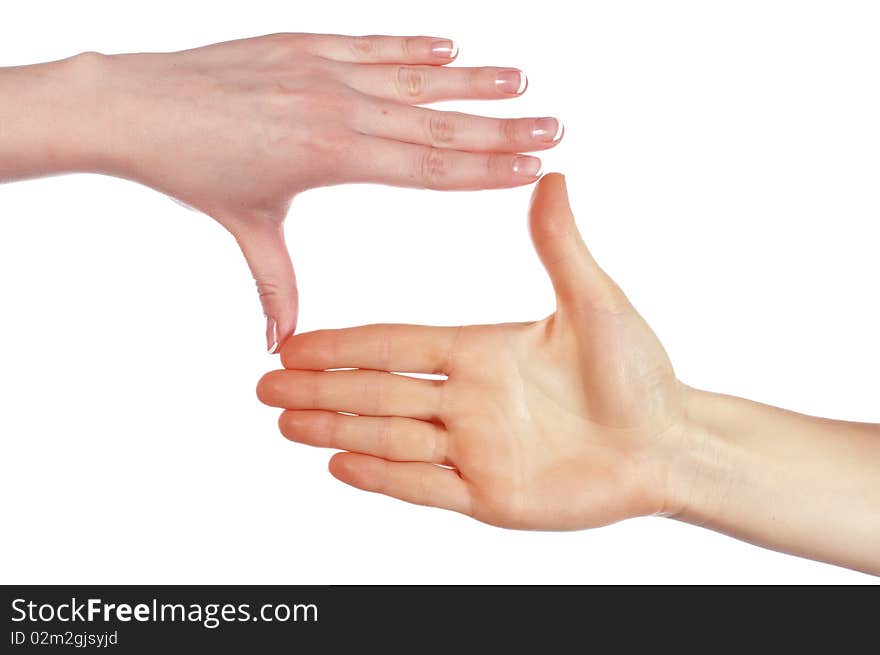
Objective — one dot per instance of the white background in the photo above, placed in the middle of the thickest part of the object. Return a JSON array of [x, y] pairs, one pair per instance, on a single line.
[[723, 160]]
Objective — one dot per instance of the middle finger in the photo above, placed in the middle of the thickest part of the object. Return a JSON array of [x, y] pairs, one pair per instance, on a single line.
[[447, 129], [362, 392], [415, 85]]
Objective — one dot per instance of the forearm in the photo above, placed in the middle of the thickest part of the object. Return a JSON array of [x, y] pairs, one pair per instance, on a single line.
[[50, 119], [790, 482]]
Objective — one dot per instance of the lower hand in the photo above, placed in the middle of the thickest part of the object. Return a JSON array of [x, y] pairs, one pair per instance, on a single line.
[[560, 424]]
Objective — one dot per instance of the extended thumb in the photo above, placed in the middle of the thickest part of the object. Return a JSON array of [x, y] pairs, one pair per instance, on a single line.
[[576, 277]]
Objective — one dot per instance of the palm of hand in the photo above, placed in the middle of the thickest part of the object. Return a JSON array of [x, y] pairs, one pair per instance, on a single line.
[[550, 424]]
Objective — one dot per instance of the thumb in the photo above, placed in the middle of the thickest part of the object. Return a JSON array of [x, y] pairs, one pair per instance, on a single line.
[[577, 278], [266, 254]]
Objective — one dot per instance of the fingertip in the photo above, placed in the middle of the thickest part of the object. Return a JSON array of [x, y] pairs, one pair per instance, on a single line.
[[287, 351], [549, 193], [353, 469], [527, 168], [272, 342], [523, 85], [287, 424], [307, 350], [267, 387], [277, 336], [555, 181], [337, 466], [444, 49], [280, 326], [363, 471], [560, 132], [550, 217], [547, 131], [511, 82]]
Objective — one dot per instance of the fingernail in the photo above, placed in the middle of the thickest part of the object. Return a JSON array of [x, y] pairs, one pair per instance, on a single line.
[[511, 82], [271, 335], [445, 49], [527, 166], [548, 130]]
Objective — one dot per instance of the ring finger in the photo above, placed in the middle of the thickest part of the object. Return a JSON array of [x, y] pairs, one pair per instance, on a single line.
[[426, 167], [389, 437]]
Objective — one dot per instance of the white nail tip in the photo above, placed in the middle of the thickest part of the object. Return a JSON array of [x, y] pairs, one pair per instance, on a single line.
[[560, 130], [447, 52], [523, 83], [273, 326]]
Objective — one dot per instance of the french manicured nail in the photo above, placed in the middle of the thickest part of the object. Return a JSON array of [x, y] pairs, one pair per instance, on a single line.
[[527, 166], [271, 335], [444, 49], [512, 82], [548, 130]]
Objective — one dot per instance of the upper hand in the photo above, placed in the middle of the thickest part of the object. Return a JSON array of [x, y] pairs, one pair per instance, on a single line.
[[237, 129]]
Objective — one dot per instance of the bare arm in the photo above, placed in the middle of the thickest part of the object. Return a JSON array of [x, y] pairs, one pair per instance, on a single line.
[[800, 484], [49, 118]]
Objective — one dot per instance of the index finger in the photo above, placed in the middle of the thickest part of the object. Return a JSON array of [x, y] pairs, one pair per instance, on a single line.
[[400, 348], [377, 49]]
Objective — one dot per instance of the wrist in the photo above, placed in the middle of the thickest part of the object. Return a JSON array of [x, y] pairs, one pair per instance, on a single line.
[[702, 463], [92, 113]]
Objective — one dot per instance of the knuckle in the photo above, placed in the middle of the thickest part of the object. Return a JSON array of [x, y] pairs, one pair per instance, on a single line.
[[437, 444], [441, 129], [383, 436], [314, 390], [333, 340], [497, 166], [439, 398], [331, 147], [410, 82], [510, 131], [449, 354], [410, 46], [433, 168], [363, 47], [375, 392], [384, 346], [283, 44], [330, 430], [321, 98], [380, 480], [479, 78], [444, 400], [268, 289]]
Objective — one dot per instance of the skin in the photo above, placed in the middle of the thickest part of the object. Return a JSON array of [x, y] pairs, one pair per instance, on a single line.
[[237, 129], [574, 421]]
